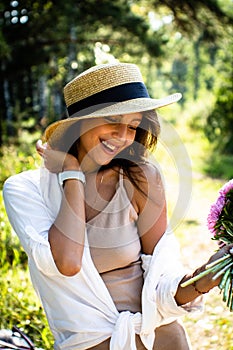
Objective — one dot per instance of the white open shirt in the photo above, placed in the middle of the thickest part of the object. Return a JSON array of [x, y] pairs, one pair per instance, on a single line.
[[80, 310]]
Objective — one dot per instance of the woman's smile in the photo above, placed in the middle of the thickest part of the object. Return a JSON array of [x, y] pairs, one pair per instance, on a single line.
[[111, 147]]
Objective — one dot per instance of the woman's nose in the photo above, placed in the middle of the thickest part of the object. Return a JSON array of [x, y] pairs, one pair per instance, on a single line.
[[121, 131]]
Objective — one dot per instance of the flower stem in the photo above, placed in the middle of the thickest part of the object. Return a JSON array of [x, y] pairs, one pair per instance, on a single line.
[[221, 264], [218, 261], [224, 279], [219, 273], [197, 277]]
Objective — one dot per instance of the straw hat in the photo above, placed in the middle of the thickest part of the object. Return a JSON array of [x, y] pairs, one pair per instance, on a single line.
[[105, 90]]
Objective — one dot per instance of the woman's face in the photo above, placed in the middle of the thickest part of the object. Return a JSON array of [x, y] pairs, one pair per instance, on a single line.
[[101, 139]]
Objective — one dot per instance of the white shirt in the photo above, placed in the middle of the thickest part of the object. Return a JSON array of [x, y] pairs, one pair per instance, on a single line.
[[80, 310]]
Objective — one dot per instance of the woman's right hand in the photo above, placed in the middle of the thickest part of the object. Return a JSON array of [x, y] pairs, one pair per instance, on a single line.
[[56, 161]]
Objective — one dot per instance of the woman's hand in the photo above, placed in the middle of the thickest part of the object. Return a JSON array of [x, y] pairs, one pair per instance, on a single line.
[[227, 249], [189, 291], [221, 252], [56, 161]]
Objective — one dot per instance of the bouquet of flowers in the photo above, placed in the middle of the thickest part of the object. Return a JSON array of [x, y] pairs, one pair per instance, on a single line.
[[220, 224]]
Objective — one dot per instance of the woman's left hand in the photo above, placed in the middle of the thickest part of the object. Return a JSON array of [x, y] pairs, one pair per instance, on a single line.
[[207, 282], [227, 249], [193, 285], [56, 161]]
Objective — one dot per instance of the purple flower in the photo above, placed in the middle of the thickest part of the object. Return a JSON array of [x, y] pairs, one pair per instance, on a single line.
[[217, 207], [226, 188], [215, 211], [220, 224]]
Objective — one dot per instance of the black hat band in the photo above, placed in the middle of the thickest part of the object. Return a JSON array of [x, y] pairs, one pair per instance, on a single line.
[[112, 95]]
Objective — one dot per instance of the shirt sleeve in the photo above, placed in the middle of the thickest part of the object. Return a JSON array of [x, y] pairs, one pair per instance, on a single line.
[[169, 280], [165, 295], [30, 218], [163, 272]]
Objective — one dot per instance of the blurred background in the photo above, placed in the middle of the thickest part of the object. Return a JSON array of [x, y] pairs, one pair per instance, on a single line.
[[180, 46]]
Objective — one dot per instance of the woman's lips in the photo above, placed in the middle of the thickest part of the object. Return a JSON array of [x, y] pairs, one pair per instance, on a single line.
[[109, 147]]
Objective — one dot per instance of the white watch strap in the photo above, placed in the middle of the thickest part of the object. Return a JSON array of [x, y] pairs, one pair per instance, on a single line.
[[71, 174]]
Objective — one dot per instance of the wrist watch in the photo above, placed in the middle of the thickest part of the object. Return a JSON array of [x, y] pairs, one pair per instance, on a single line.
[[71, 174]]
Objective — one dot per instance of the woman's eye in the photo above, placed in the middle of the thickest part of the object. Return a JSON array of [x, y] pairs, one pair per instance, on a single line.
[[132, 127], [117, 120]]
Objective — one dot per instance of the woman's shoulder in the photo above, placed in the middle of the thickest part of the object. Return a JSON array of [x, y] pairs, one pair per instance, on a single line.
[[149, 186], [26, 179], [38, 187], [148, 172]]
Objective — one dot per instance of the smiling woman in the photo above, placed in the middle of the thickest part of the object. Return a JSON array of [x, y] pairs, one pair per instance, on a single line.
[[93, 221]]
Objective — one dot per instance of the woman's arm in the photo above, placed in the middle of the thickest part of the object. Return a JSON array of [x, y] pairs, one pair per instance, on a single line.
[[66, 235], [150, 204]]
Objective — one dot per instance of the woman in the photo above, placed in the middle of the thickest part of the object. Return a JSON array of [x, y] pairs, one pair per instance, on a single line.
[[93, 221]]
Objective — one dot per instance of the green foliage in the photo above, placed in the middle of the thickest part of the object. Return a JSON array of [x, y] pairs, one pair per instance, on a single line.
[[218, 165], [206, 158], [20, 307], [19, 155], [216, 78], [219, 126], [36, 47], [195, 16]]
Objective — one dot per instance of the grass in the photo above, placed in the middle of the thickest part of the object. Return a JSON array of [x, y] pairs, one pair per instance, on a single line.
[[190, 191]]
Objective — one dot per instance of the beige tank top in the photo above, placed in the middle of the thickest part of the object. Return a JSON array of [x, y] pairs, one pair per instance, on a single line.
[[115, 248]]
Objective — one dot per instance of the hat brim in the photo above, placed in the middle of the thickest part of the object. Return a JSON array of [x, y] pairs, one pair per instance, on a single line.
[[125, 107]]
